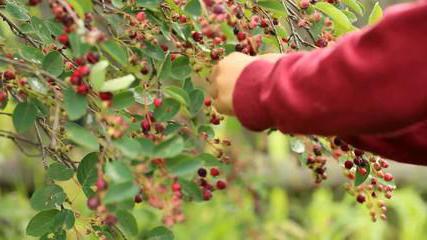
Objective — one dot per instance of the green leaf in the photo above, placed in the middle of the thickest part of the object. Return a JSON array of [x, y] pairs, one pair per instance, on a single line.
[[197, 97], [120, 192], [276, 7], [341, 22], [69, 218], [169, 108], [24, 116], [355, 6], [165, 68], [190, 189], [376, 14], [362, 178], [48, 197], [81, 136], [97, 75], [57, 171], [147, 147], [160, 233], [351, 16], [75, 104], [87, 172], [193, 8], [42, 223], [116, 51], [41, 29], [178, 94], [81, 6], [123, 100], [206, 129], [118, 172], [31, 54], [17, 11], [37, 85], [181, 68], [118, 83], [127, 222], [182, 165], [129, 147], [53, 63], [78, 47], [209, 159], [150, 4], [152, 51], [170, 148]]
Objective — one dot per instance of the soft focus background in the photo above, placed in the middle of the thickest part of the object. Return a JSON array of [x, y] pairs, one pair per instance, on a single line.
[[270, 197]]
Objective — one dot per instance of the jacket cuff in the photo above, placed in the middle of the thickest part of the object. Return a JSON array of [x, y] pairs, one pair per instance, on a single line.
[[247, 96]]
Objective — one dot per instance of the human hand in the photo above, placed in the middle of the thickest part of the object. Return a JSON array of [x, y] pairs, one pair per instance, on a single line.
[[224, 77]]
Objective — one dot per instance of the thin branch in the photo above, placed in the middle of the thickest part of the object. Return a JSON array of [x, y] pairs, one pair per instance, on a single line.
[[14, 27], [44, 161]]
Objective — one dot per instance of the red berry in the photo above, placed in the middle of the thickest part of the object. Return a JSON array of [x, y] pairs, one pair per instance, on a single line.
[[197, 36], [388, 177], [221, 184], [75, 80], [164, 47], [361, 198], [321, 43], [9, 75], [140, 16], [145, 125], [110, 220], [34, 2], [304, 4], [218, 9], [92, 57], [214, 172], [207, 195], [83, 70], [138, 198], [348, 164], [63, 38], [105, 96], [241, 36], [362, 171], [3, 96], [159, 127], [83, 89], [202, 172], [208, 3], [358, 152], [182, 19], [157, 102], [207, 102], [101, 184], [176, 187], [93, 202]]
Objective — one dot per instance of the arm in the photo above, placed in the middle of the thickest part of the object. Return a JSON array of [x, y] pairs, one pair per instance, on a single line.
[[372, 81]]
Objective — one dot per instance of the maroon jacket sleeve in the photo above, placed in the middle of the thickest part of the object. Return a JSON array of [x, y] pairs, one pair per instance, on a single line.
[[373, 81]]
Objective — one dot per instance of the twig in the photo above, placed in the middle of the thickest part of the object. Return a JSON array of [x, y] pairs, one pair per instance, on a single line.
[[14, 27], [44, 161], [279, 42]]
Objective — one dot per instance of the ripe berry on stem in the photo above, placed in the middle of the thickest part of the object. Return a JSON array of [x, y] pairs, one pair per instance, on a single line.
[[157, 102], [221, 184], [93, 202], [202, 172], [214, 172]]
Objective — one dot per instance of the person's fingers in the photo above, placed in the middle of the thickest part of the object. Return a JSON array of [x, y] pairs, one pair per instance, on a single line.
[[213, 85]]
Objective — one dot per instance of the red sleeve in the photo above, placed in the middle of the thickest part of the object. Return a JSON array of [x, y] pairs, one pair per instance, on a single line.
[[371, 81]]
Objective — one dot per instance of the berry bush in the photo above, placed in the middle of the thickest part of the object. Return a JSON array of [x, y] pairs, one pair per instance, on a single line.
[[109, 95]]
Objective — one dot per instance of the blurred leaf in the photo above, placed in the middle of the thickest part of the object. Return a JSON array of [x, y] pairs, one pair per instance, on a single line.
[[116, 51], [152, 51], [123, 100], [97, 75], [182, 165], [181, 68], [147, 147], [165, 68], [24, 116], [75, 104], [193, 8], [37, 85], [87, 172], [150, 4], [197, 97], [160, 233], [59, 172], [17, 11], [120, 192], [297, 146], [129, 147], [355, 6], [78, 47], [118, 83], [118, 172], [275, 6], [351, 16], [81, 6], [190, 189], [178, 94], [208, 159], [169, 108], [206, 129], [53, 63], [41, 29], [31, 54], [341, 22], [169, 148], [47, 197], [42, 223], [81, 136], [69, 218], [376, 14], [127, 222]]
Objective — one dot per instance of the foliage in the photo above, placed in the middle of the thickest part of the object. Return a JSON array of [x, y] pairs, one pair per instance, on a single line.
[[111, 93]]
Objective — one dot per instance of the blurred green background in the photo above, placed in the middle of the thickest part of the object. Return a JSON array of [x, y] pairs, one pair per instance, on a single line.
[[269, 197]]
